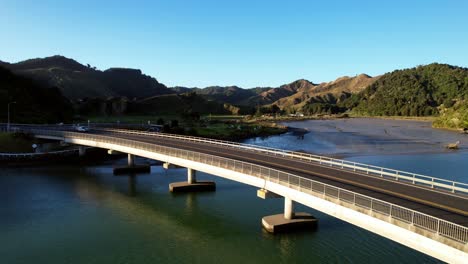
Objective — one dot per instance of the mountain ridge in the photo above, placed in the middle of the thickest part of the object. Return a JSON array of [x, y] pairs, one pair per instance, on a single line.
[[422, 90], [77, 81]]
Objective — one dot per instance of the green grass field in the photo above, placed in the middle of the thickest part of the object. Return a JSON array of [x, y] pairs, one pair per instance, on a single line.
[[132, 119], [228, 131], [223, 117], [214, 126], [12, 143], [138, 119]]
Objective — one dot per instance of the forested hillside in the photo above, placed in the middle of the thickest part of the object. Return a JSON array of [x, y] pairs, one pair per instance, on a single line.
[[34, 102], [179, 104], [418, 91], [77, 81]]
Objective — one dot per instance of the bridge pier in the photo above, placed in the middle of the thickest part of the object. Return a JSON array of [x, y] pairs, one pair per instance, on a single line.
[[289, 220], [81, 151], [131, 160], [192, 185], [131, 167], [167, 165]]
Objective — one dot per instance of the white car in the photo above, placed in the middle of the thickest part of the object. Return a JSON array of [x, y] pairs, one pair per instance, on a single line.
[[81, 129]]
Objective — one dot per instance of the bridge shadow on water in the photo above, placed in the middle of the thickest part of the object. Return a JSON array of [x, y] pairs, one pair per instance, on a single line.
[[135, 218]]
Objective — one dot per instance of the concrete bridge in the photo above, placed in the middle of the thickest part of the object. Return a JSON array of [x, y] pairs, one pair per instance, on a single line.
[[425, 213]]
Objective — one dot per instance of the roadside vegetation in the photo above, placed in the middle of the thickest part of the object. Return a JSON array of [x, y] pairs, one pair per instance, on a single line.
[[454, 118], [236, 130], [226, 127], [15, 143]]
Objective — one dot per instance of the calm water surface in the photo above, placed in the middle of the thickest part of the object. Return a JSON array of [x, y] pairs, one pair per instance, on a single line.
[[84, 214]]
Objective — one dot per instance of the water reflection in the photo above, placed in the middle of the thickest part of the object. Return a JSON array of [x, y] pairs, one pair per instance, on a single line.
[[92, 217], [132, 185]]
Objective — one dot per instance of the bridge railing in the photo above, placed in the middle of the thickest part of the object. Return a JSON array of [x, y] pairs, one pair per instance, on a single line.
[[391, 212], [33, 154], [370, 170]]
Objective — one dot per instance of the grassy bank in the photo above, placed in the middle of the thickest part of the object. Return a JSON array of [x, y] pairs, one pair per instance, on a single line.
[[131, 119], [411, 118], [452, 118], [225, 127], [15, 143], [237, 130]]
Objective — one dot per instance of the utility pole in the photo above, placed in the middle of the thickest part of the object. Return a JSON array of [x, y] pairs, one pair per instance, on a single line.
[[8, 124]]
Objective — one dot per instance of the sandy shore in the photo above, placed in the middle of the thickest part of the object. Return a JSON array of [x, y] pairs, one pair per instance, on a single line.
[[376, 136]]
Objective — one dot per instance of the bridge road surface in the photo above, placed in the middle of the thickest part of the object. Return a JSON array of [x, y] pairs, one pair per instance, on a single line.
[[437, 203]]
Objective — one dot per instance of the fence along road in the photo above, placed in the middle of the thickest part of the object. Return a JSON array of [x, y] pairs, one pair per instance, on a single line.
[[382, 172], [437, 211], [371, 170]]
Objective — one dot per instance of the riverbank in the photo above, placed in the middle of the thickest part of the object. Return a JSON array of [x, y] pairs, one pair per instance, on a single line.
[[226, 127], [236, 131], [366, 136], [448, 120], [15, 143], [62, 157]]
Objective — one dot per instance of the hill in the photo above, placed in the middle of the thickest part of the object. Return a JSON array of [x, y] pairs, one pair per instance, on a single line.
[[225, 94], [307, 96], [177, 104], [34, 102], [418, 91], [229, 94], [272, 95], [77, 81], [246, 97]]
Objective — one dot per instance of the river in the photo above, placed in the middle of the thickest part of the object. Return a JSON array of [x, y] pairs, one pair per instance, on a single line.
[[84, 214]]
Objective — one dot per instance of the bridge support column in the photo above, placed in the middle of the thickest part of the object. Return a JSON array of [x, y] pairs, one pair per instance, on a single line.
[[167, 165], [81, 151], [131, 167], [289, 221], [192, 185], [131, 160], [191, 176], [288, 208]]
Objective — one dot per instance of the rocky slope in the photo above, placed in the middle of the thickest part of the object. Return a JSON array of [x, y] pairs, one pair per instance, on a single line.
[[331, 92]]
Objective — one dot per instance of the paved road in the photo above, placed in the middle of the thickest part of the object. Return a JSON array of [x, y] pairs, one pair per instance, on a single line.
[[438, 203]]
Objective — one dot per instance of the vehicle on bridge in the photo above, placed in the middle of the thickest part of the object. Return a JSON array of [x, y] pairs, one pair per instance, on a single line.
[[81, 129]]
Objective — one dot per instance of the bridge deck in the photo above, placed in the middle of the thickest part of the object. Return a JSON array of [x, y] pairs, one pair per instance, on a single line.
[[437, 203]]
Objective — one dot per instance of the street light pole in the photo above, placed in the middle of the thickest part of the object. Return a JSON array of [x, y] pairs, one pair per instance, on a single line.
[[8, 124]]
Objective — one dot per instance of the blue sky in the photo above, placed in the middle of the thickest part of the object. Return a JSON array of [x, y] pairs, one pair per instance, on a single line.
[[246, 43]]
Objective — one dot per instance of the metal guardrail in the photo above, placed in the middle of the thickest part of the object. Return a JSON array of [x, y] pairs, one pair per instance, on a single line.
[[24, 155], [371, 170], [391, 211]]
